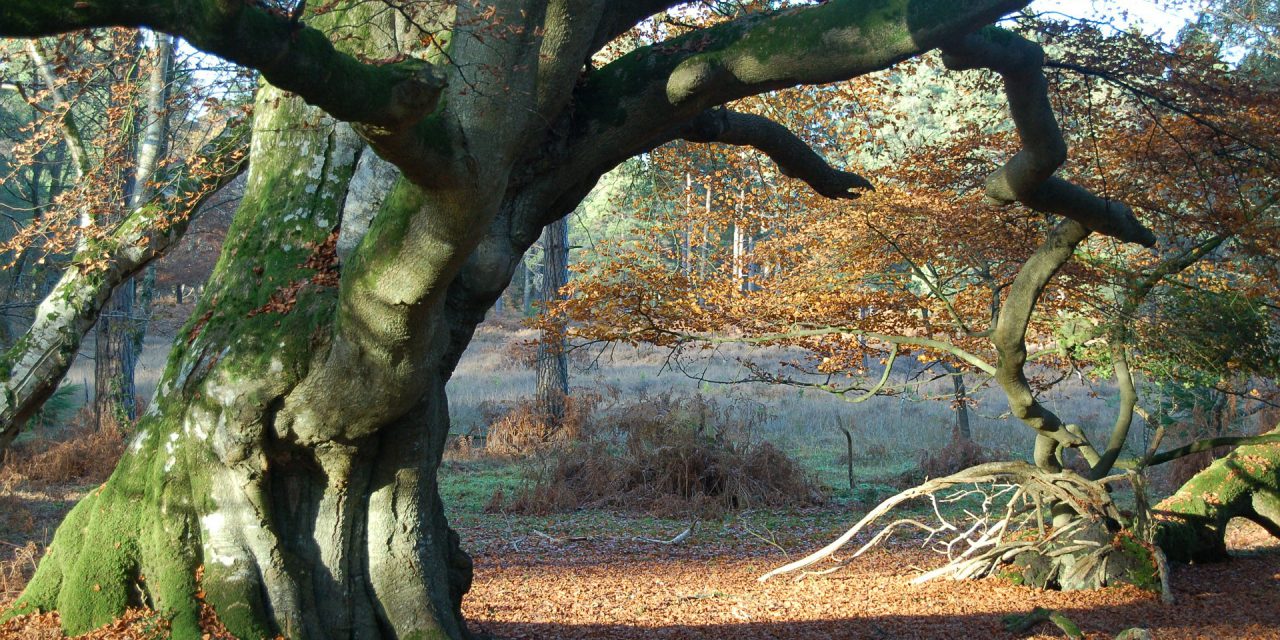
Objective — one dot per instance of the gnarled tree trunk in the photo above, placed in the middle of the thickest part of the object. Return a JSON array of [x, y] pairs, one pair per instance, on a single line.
[[307, 522]]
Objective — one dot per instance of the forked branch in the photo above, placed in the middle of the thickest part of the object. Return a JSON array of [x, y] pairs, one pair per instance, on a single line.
[[290, 55]]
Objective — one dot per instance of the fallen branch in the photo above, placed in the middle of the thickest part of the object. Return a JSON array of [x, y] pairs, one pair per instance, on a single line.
[[559, 539], [1006, 527], [1060, 487], [681, 537]]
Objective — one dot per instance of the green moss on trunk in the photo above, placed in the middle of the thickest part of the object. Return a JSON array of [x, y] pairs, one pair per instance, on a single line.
[[128, 543], [1245, 484]]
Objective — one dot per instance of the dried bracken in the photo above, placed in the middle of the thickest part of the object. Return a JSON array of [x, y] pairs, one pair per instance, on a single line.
[[670, 456]]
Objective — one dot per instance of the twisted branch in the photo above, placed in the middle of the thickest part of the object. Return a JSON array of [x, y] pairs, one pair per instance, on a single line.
[[1028, 176], [794, 157]]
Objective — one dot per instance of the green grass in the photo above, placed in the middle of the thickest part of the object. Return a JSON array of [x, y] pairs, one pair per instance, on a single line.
[[802, 423], [468, 486]]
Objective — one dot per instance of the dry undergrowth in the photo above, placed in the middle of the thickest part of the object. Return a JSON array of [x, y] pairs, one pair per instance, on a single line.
[[667, 456], [17, 565], [959, 454], [82, 456], [518, 429]]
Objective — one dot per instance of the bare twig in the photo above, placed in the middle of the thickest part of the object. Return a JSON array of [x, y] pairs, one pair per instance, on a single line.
[[559, 539]]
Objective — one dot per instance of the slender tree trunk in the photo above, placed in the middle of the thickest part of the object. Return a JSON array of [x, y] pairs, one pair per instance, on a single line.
[[526, 288], [122, 326], [737, 256], [114, 361], [552, 363], [704, 247], [960, 403], [683, 255], [153, 147]]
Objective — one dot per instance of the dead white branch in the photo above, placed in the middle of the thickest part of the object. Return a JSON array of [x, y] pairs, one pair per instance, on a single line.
[[1012, 495], [680, 537]]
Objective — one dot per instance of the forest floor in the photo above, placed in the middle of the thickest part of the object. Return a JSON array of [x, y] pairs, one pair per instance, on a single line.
[[707, 588], [599, 574], [596, 573]]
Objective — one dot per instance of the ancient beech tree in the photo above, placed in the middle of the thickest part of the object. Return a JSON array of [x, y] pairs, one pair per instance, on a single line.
[[404, 156]]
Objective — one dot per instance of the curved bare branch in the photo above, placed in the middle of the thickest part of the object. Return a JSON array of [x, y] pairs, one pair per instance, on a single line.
[[644, 98], [620, 17], [1028, 176], [1010, 336], [794, 157]]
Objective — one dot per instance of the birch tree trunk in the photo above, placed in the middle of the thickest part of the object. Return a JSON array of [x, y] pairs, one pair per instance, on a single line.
[[122, 324]]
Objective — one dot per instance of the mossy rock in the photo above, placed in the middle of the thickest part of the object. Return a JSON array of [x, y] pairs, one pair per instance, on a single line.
[[1033, 569]]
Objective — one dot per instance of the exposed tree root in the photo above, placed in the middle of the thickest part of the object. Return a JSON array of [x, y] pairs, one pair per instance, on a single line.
[[1021, 623], [1006, 532]]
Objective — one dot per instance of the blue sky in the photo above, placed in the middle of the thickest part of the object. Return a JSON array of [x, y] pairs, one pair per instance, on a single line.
[[1147, 14]]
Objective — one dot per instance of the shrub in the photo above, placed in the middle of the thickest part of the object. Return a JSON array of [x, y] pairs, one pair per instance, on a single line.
[[17, 564], [58, 409], [519, 429], [958, 454], [669, 456]]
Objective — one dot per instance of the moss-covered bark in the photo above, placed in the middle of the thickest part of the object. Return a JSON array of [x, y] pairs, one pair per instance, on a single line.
[[1193, 521], [327, 538]]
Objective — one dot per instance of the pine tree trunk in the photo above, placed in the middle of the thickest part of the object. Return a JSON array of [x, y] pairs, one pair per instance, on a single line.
[[115, 361]]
